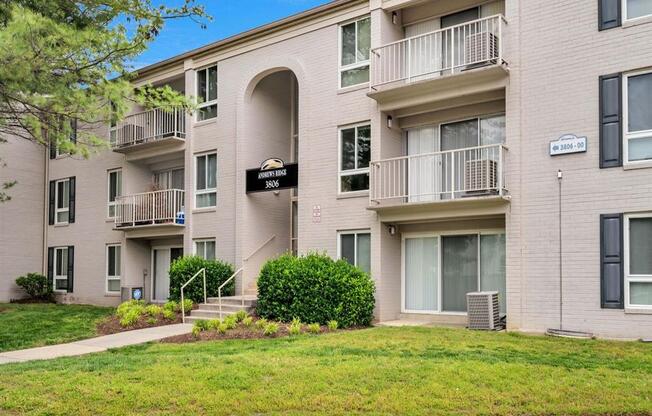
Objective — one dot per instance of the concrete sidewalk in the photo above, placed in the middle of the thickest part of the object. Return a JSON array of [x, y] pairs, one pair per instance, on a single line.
[[103, 343]]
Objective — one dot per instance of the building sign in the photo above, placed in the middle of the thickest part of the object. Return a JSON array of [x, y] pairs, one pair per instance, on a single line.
[[566, 144], [316, 214], [272, 175]]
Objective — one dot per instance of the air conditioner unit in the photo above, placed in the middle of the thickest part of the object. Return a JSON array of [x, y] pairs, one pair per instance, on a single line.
[[483, 311], [131, 292], [480, 48], [480, 175]]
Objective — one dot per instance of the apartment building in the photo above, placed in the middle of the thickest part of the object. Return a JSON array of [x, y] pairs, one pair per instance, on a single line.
[[445, 146]]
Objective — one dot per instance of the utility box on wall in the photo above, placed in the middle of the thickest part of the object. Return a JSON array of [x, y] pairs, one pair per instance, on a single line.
[[131, 293]]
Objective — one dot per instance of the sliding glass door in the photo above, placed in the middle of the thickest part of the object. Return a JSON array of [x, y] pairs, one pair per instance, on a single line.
[[439, 270]]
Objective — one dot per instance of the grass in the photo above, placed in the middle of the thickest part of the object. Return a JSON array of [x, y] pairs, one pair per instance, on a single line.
[[412, 371], [35, 325]]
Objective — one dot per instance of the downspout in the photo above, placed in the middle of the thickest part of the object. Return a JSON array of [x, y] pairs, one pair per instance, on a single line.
[[46, 205]]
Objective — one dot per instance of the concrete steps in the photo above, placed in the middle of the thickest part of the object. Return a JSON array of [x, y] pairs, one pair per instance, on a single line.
[[230, 306]]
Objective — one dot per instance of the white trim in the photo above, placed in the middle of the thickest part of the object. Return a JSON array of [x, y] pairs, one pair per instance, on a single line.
[[627, 136], [357, 64], [205, 191], [117, 277], [58, 210], [205, 104], [56, 276], [355, 171], [633, 19], [355, 233], [113, 203], [204, 240], [630, 278], [438, 235]]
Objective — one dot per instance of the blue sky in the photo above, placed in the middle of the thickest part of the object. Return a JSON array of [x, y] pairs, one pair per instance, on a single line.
[[230, 17]]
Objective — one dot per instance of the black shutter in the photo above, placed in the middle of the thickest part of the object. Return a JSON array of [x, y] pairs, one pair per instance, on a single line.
[[609, 14], [71, 267], [53, 149], [611, 132], [53, 190], [51, 266], [611, 261], [71, 200], [73, 130]]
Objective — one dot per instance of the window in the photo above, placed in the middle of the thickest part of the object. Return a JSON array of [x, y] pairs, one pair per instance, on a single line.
[[355, 149], [62, 201], [114, 190], [206, 181], [355, 248], [355, 45], [169, 179], [205, 249], [207, 93], [60, 276], [113, 267], [634, 9], [638, 116], [638, 262]]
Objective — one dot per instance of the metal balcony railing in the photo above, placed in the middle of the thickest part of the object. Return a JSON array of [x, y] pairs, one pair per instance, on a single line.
[[148, 126], [470, 172], [150, 208], [445, 51]]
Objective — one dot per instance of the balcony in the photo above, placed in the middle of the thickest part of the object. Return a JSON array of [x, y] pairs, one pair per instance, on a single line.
[[150, 133], [440, 65], [455, 183], [161, 209]]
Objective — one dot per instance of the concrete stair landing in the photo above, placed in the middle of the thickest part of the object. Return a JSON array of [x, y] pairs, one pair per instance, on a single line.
[[230, 305]]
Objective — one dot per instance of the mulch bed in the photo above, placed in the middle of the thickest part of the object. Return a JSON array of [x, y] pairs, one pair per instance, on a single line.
[[111, 324]]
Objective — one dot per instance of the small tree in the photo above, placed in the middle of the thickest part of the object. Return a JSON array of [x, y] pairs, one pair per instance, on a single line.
[[184, 268], [36, 285]]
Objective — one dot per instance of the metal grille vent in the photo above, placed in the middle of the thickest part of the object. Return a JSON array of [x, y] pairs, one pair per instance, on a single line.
[[483, 310], [480, 47], [480, 175]]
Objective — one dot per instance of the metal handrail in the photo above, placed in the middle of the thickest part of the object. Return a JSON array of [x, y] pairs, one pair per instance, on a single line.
[[441, 152], [183, 311], [219, 289]]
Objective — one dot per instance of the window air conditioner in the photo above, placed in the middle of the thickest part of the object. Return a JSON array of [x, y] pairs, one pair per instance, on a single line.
[[483, 311], [480, 48], [480, 175]]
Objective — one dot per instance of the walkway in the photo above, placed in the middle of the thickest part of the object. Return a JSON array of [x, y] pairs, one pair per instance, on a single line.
[[99, 344]]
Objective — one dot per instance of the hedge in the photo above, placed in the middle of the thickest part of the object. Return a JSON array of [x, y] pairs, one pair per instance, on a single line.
[[315, 288], [184, 268]]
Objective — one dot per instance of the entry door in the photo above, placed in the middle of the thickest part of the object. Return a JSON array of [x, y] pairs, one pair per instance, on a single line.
[[163, 258], [454, 40], [424, 170], [455, 136], [425, 58]]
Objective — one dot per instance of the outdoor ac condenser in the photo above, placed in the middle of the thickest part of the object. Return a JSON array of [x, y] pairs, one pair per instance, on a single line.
[[480, 47], [483, 311], [480, 175]]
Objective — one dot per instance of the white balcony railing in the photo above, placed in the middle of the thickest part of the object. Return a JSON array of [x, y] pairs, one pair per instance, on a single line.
[[150, 208], [149, 126], [445, 51], [431, 177]]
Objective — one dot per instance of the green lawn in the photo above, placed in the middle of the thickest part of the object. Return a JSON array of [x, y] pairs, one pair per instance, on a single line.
[[389, 371], [35, 325]]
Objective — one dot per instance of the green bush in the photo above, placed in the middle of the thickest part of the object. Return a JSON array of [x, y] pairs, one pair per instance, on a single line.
[[184, 268], [332, 325], [248, 322], [130, 317], [36, 285], [202, 324], [231, 322], [187, 305], [168, 314], [295, 327], [261, 323], [130, 307], [171, 306], [314, 328], [315, 288], [241, 315], [153, 310], [214, 324], [270, 329]]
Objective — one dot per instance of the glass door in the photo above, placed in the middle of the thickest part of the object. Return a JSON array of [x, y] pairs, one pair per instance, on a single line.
[[163, 258], [459, 270], [424, 169], [421, 274]]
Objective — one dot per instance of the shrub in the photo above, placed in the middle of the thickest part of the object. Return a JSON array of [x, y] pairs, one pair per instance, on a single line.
[[260, 324], [130, 307], [248, 321], [230, 321], [314, 328], [315, 288], [171, 306], [196, 331], [153, 310], [222, 328], [130, 317], [270, 329], [295, 327], [151, 320], [168, 314], [241, 315], [36, 285], [187, 305], [214, 324], [332, 325], [201, 324], [184, 268]]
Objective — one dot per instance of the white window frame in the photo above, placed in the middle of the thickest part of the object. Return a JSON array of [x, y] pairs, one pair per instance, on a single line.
[[633, 19], [206, 103], [204, 241], [118, 269], [355, 171], [633, 278], [207, 190], [56, 276], [357, 64], [440, 294], [627, 136], [355, 244], [58, 210], [110, 203]]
